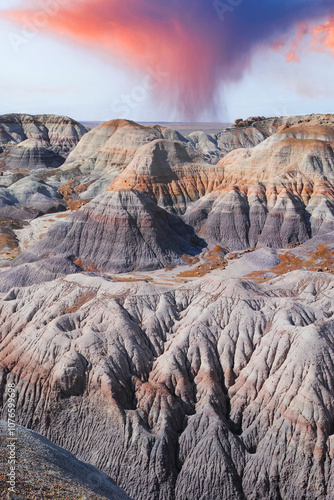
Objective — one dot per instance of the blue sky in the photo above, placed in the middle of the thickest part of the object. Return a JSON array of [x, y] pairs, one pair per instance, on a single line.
[[45, 74]]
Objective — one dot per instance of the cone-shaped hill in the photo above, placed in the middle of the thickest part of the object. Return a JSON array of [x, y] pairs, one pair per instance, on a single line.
[[170, 173], [120, 231]]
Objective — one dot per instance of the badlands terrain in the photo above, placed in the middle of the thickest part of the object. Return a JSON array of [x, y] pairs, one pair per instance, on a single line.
[[166, 308]]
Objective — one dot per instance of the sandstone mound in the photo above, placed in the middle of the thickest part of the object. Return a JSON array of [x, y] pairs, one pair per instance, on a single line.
[[104, 153], [29, 197], [171, 173], [299, 150], [250, 133], [270, 125], [234, 138], [29, 270], [113, 142], [31, 143], [36, 142], [206, 145], [173, 135], [108, 149]]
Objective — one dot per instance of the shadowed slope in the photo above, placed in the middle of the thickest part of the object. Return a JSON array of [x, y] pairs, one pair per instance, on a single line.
[[47, 471], [119, 231], [30, 155]]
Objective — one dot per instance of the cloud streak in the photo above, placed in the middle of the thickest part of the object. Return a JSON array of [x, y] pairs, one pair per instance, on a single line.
[[199, 45]]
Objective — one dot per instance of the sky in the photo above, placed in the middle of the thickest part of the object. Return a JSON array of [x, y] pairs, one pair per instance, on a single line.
[[172, 60]]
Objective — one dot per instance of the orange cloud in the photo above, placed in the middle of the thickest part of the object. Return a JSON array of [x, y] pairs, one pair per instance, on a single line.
[[320, 38], [323, 36], [302, 30], [167, 48]]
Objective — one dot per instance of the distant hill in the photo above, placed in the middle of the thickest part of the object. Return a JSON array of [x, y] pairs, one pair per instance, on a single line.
[[184, 127]]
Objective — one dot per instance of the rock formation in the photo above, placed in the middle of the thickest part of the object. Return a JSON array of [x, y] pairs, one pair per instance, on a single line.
[[170, 173], [233, 138], [278, 193], [28, 198], [32, 142], [219, 388], [30, 145], [176, 329], [30, 155], [119, 231], [47, 471], [103, 154], [59, 132]]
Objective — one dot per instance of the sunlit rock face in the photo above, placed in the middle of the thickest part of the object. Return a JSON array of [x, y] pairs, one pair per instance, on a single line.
[[104, 153], [108, 149], [166, 201], [171, 173]]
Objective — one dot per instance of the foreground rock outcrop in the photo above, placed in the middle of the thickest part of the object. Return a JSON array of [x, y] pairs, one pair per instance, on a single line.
[[220, 388], [44, 470]]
